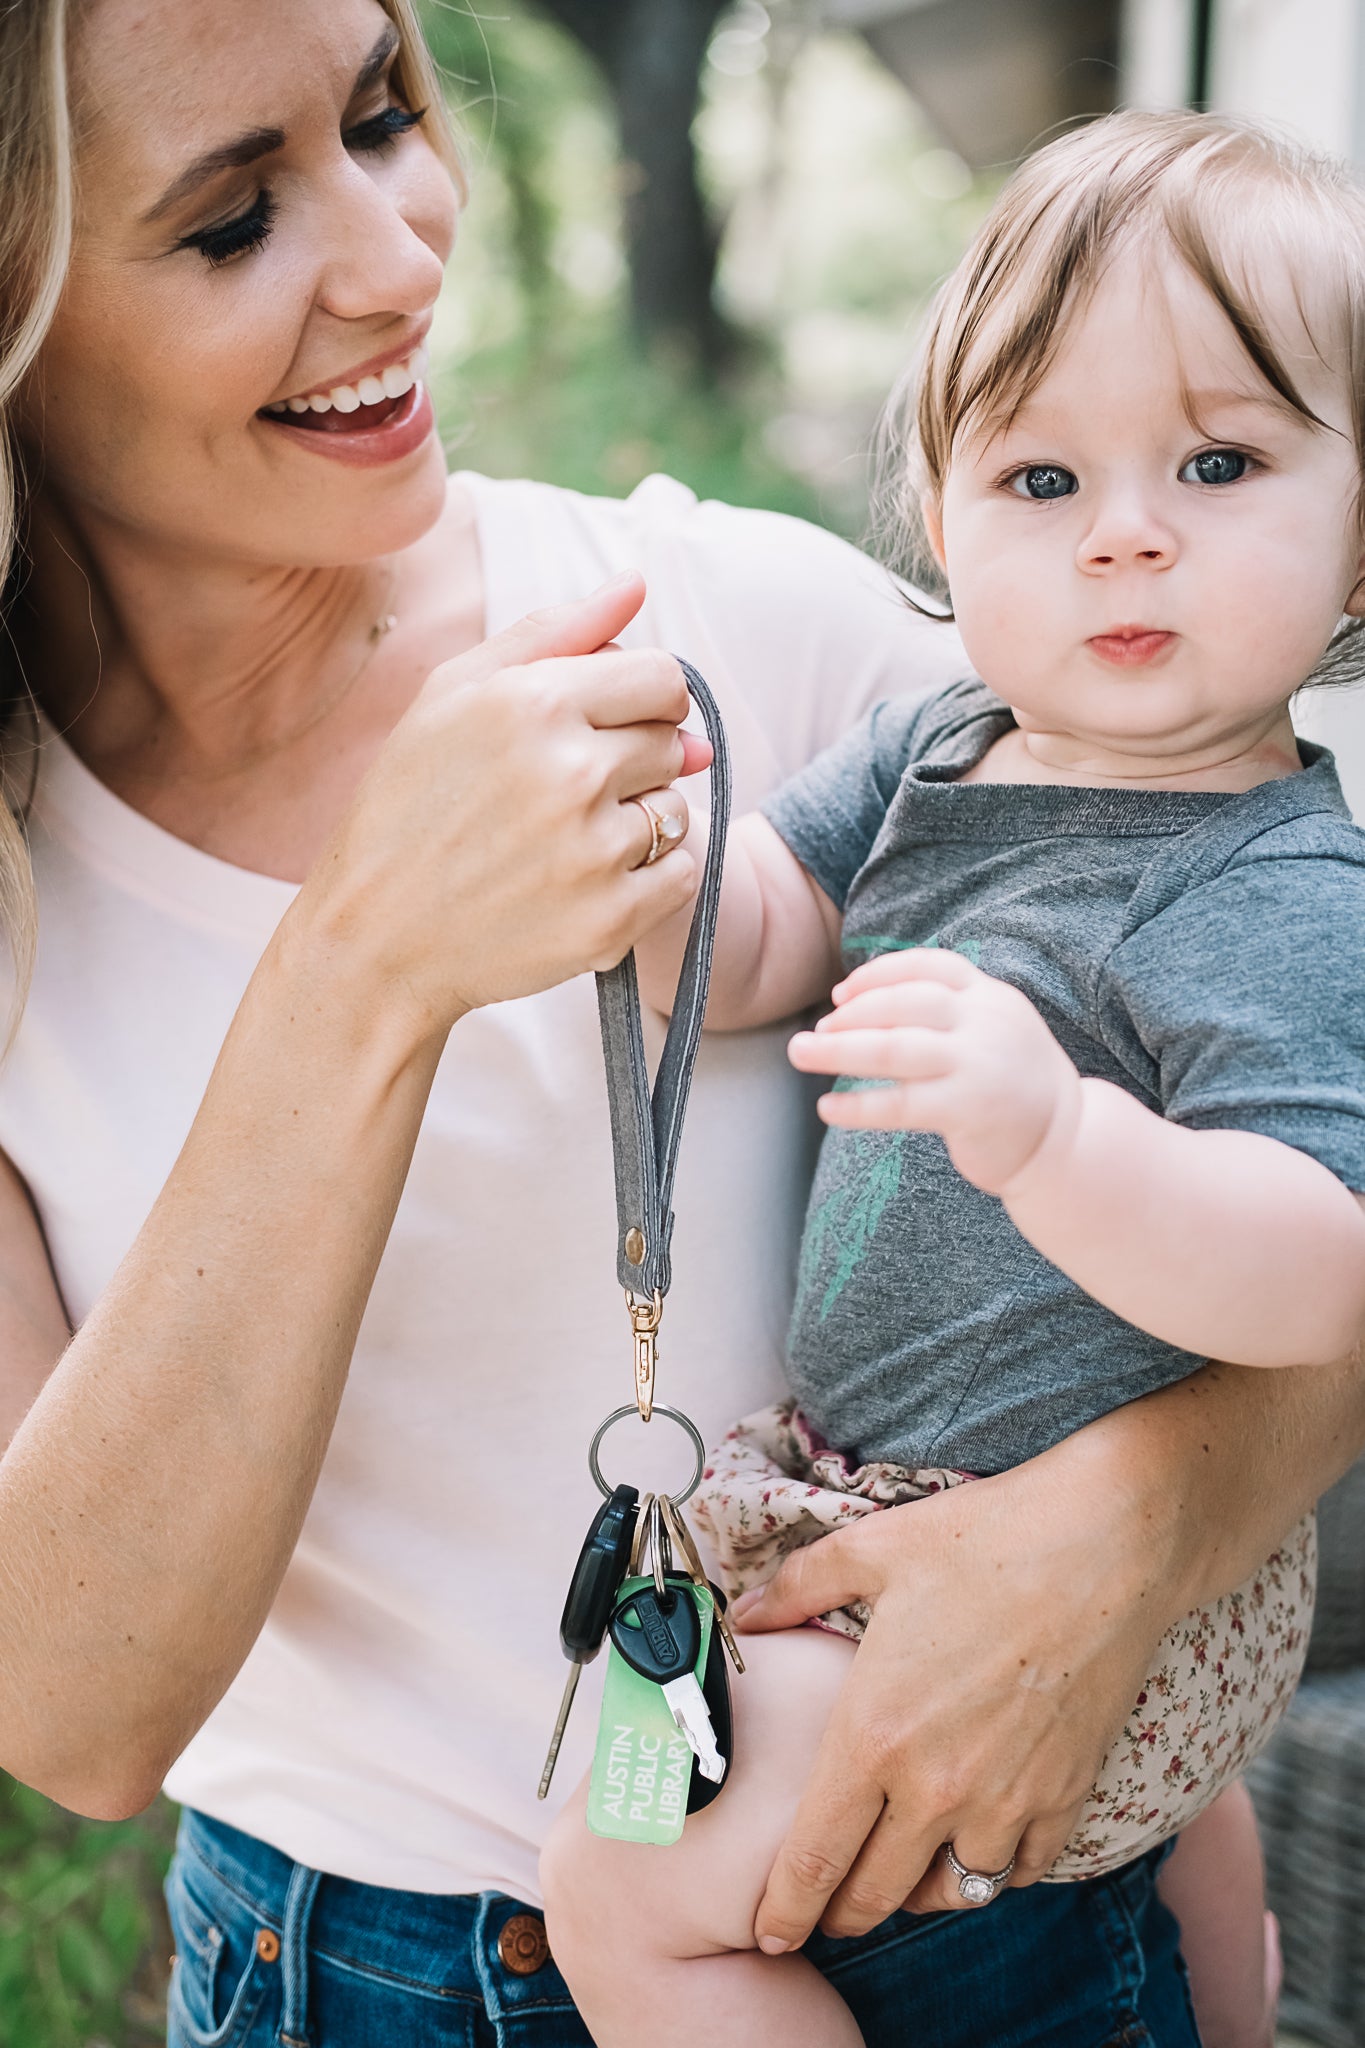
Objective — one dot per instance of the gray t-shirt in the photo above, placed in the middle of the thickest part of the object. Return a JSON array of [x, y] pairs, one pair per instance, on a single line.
[[1204, 951]]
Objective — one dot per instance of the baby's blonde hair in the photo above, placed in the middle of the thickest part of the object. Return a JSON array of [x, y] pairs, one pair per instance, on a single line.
[[1236, 203]]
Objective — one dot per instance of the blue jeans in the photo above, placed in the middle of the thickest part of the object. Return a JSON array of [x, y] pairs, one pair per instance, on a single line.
[[271, 1955]]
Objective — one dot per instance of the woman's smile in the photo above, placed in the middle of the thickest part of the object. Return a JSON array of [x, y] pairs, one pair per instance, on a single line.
[[377, 413]]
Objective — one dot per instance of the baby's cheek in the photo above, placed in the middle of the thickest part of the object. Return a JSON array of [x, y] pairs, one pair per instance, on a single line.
[[1011, 625]]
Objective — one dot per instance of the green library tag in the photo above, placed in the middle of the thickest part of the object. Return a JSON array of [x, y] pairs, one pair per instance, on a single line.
[[642, 1768]]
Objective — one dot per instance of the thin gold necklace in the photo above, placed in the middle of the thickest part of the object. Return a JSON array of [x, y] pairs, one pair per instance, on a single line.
[[378, 631]]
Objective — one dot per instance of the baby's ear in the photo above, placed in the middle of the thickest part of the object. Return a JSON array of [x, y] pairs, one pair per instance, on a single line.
[[931, 513], [1354, 606]]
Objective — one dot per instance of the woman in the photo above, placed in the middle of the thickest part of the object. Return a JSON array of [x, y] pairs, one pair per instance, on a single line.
[[304, 1123]]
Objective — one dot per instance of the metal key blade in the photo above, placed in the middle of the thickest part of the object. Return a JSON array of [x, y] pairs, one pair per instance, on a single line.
[[687, 1704], [552, 1756], [682, 1536], [602, 1564]]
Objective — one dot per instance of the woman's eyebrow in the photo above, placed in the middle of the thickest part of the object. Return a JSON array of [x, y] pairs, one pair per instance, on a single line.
[[229, 156], [258, 142]]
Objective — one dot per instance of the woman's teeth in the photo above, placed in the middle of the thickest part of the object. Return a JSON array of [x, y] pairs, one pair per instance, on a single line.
[[395, 382]]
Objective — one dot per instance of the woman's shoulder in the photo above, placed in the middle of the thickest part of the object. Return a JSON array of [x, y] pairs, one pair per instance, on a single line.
[[794, 611]]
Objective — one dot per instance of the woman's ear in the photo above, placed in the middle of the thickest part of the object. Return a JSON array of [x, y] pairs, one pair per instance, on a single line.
[[931, 513]]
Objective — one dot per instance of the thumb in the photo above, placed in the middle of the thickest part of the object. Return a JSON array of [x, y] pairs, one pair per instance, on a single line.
[[697, 753], [811, 1581], [579, 627]]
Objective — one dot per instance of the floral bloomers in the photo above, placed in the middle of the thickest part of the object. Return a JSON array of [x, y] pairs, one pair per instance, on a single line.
[[1220, 1680]]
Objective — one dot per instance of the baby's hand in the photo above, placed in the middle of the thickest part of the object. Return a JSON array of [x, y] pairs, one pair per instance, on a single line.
[[968, 1057]]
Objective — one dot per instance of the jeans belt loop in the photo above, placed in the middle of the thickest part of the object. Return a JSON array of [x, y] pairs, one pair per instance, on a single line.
[[298, 1913]]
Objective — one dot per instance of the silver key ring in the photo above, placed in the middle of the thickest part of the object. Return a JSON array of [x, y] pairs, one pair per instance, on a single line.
[[684, 1422]]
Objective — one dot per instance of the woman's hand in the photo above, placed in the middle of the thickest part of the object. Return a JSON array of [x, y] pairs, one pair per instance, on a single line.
[[1013, 1622], [1011, 1629], [494, 848]]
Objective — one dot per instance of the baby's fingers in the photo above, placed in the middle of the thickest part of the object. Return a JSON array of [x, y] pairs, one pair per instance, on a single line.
[[927, 1004], [906, 1054], [912, 964]]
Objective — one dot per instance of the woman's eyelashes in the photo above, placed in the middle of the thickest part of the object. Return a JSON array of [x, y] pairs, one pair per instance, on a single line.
[[250, 230], [383, 130], [229, 238]]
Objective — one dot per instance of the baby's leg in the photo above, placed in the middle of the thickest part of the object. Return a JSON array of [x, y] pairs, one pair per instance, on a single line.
[[657, 1945], [1214, 1883]]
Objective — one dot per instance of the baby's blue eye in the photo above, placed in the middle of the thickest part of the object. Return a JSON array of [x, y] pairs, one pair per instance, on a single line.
[[1214, 466], [1043, 480]]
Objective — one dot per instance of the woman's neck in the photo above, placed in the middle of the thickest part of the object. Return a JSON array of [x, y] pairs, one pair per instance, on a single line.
[[239, 706], [138, 650]]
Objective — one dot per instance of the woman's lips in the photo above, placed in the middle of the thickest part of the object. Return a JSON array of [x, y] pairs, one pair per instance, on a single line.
[[1131, 647], [384, 432]]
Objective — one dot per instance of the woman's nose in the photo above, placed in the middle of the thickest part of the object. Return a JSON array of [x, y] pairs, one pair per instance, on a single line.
[[1125, 532], [388, 243]]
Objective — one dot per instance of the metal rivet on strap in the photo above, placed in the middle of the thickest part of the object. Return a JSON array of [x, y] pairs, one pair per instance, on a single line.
[[268, 1945], [635, 1247], [523, 1947]]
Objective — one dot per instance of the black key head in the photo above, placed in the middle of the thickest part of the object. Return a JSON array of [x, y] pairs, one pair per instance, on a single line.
[[661, 1639], [603, 1563]]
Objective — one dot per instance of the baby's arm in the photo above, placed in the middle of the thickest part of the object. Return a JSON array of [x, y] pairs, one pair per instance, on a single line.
[[777, 937], [1225, 1243]]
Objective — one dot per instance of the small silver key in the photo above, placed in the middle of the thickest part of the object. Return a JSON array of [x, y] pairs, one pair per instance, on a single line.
[[687, 1704], [659, 1635]]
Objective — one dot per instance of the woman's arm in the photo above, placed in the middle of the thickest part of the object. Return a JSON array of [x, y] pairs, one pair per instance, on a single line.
[[777, 935], [153, 1492], [1013, 1621]]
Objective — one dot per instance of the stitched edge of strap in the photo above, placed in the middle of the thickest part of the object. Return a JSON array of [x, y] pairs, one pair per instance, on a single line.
[[646, 1128]]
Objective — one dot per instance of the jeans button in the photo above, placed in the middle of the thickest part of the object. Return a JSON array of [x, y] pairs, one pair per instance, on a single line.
[[522, 1945]]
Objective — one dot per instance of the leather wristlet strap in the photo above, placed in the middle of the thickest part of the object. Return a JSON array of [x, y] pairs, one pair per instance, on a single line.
[[646, 1128]]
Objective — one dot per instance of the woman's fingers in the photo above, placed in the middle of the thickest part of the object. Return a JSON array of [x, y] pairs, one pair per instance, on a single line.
[[1034, 1853], [809, 1582], [993, 1675], [614, 686], [656, 824], [496, 819], [834, 1819], [581, 627]]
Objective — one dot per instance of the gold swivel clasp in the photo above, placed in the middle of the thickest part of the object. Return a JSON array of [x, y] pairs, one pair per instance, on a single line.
[[644, 1321]]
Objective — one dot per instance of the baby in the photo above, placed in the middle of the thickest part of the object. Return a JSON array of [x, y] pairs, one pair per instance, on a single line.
[[1099, 1042]]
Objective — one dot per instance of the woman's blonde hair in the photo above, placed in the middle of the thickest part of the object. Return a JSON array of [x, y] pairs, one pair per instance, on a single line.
[[37, 209], [1241, 207]]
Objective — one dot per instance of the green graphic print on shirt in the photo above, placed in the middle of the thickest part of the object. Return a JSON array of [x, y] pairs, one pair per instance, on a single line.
[[841, 1226]]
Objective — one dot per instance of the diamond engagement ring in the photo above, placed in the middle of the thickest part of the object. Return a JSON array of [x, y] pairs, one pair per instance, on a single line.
[[978, 1887], [664, 829]]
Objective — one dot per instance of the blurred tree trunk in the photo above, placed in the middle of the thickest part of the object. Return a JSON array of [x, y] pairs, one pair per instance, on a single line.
[[651, 53]]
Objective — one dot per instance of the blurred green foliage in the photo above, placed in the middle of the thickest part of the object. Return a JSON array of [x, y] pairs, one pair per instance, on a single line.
[[836, 211], [83, 1937], [537, 372]]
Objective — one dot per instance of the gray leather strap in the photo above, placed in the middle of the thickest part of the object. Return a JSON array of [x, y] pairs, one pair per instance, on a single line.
[[646, 1128]]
